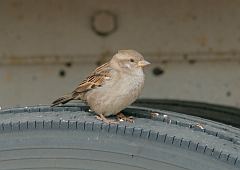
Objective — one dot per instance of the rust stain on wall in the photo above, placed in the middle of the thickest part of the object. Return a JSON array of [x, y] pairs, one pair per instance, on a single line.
[[16, 4], [7, 77], [202, 40]]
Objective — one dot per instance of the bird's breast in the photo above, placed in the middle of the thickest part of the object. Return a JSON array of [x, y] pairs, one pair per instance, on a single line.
[[115, 94]]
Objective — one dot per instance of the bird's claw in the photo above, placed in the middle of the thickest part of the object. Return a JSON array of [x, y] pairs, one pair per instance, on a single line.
[[105, 120], [122, 117]]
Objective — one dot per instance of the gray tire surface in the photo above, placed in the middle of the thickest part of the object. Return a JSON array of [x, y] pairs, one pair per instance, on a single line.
[[69, 137], [220, 113]]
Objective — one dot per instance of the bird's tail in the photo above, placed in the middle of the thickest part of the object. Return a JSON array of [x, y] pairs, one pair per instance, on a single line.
[[62, 100]]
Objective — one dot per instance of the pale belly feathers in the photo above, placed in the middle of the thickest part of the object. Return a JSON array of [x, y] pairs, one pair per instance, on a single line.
[[111, 98]]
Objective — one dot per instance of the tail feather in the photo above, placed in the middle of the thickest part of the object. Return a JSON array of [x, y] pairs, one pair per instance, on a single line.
[[62, 100]]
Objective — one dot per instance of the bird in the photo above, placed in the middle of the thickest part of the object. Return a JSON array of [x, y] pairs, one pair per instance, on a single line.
[[112, 86]]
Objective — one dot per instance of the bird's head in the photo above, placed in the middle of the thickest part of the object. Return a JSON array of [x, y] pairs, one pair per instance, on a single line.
[[128, 61]]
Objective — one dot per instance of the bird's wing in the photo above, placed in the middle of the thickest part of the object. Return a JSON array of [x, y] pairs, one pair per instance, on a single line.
[[96, 79]]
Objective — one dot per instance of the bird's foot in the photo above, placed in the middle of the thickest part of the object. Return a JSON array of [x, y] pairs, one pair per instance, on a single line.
[[122, 117], [105, 120]]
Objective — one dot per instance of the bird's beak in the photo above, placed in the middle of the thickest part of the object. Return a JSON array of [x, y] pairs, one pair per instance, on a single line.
[[143, 63]]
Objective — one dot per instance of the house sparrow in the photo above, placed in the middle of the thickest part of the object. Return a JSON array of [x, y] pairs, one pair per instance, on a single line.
[[112, 86]]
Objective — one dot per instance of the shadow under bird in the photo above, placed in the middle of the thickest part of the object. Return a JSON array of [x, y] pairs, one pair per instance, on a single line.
[[112, 86]]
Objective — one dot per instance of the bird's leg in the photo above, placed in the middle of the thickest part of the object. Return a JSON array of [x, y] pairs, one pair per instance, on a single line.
[[105, 120], [122, 117]]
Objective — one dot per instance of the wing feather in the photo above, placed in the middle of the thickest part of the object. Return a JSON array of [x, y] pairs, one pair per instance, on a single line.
[[96, 79]]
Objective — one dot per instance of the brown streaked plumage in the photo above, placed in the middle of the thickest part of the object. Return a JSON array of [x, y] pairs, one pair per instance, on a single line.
[[112, 86]]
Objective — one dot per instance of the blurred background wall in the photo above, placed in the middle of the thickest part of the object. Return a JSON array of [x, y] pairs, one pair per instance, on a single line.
[[48, 46]]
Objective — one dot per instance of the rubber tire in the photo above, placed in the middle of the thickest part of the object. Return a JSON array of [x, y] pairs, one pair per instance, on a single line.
[[220, 113], [70, 137]]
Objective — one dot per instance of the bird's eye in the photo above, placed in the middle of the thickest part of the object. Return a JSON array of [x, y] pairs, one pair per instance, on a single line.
[[131, 60]]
